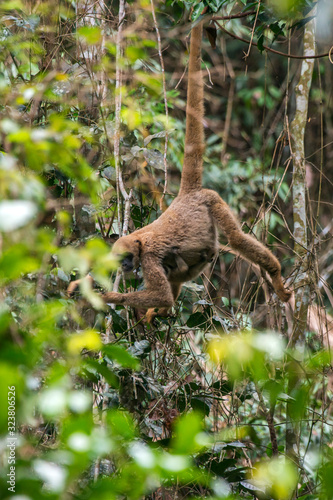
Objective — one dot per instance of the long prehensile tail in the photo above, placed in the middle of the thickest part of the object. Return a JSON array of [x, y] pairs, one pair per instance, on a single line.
[[194, 137]]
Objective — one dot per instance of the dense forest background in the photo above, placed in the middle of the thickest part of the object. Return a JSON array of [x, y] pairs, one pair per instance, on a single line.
[[230, 396]]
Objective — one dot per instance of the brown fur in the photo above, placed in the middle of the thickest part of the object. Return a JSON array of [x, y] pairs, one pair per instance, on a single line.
[[176, 247]]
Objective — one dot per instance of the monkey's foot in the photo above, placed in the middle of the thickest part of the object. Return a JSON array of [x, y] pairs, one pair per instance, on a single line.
[[153, 312], [283, 293]]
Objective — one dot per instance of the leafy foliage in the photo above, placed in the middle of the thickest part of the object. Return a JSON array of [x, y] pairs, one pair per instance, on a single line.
[[95, 403]]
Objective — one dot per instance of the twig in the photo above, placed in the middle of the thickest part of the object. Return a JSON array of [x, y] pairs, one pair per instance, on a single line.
[[233, 16], [252, 32], [101, 225], [227, 123], [292, 56], [110, 224], [181, 78], [17, 66]]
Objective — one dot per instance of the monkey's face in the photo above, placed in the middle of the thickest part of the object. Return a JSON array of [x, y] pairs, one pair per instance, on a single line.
[[127, 251], [127, 263]]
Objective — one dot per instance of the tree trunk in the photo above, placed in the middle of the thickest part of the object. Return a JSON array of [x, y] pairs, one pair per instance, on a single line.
[[297, 129], [302, 280]]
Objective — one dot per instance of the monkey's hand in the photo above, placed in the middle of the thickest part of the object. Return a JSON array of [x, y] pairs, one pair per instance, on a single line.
[[74, 284]]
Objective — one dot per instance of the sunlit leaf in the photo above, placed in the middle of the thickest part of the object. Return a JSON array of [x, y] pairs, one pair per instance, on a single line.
[[186, 430], [53, 475], [89, 339], [78, 441], [174, 463], [17, 261], [267, 477], [53, 401], [91, 34], [16, 213], [143, 455], [79, 401]]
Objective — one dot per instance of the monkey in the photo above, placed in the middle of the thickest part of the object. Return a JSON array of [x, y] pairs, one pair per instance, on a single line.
[[177, 246]]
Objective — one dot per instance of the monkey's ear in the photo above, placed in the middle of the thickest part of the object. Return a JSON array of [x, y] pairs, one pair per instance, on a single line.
[[139, 243], [212, 35]]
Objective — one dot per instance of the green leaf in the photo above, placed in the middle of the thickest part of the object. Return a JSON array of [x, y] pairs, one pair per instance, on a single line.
[[17, 261], [200, 405], [133, 53], [93, 370], [5, 318], [186, 430], [91, 34], [123, 357], [196, 319], [119, 324], [197, 9], [261, 43], [12, 5], [299, 24], [267, 477], [121, 424], [88, 339]]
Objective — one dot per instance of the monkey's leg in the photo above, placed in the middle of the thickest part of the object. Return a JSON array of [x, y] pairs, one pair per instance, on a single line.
[[249, 247], [158, 291], [153, 312]]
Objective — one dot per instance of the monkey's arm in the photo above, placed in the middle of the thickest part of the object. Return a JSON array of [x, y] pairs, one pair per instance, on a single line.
[[158, 291]]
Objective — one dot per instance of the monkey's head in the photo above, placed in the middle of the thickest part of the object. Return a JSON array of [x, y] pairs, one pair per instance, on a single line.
[[127, 250]]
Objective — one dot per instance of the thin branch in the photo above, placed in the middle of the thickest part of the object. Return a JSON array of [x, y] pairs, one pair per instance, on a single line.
[[292, 56], [124, 232], [101, 225], [233, 16], [119, 179], [252, 31], [127, 212], [231, 93]]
